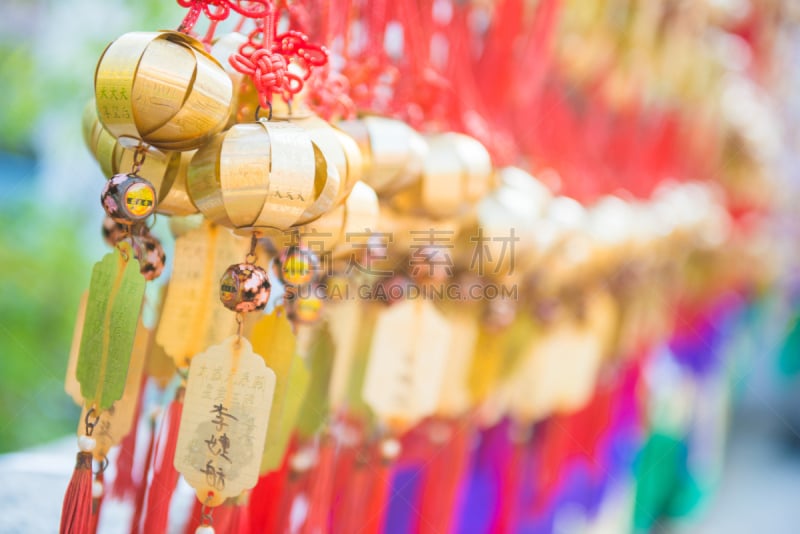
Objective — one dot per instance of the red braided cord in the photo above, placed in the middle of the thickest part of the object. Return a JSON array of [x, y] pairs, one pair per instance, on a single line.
[[218, 10], [267, 62]]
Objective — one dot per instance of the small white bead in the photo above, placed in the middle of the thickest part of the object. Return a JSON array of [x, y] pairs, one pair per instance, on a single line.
[[303, 460], [204, 529], [390, 448], [86, 443], [97, 489]]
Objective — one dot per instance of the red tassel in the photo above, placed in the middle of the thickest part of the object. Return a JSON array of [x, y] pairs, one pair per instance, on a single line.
[[505, 522], [97, 504], [165, 477], [193, 520], [378, 496], [265, 499], [142, 489], [447, 466], [223, 516], [240, 520], [353, 491], [124, 486], [296, 483], [76, 513], [321, 486]]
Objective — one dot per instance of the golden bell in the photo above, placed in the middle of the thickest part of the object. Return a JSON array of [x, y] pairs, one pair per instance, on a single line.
[[261, 176], [98, 140], [457, 172], [340, 150], [90, 125], [346, 229], [393, 152], [565, 251], [609, 224], [509, 231], [163, 89]]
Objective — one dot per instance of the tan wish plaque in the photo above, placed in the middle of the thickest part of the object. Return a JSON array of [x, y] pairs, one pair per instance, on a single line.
[[71, 384], [407, 360], [224, 421], [192, 318]]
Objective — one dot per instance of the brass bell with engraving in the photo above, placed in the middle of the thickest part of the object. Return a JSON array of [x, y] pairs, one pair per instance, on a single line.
[[344, 231], [392, 151], [162, 89], [261, 176], [457, 172]]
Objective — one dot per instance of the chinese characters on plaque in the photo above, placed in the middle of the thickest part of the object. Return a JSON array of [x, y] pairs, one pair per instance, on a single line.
[[224, 423]]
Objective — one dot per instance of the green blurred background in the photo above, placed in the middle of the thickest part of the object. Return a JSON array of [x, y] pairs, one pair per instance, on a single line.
[[49, 209]]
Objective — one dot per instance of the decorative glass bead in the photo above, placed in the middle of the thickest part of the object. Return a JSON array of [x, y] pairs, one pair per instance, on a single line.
[[244, 288], [305, 309], [150, 253], [113, 232], [298, 266], [128, 198]]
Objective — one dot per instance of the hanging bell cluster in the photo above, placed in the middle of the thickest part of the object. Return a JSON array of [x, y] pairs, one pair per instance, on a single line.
[[191, 129], [422, 225], [189, 126]]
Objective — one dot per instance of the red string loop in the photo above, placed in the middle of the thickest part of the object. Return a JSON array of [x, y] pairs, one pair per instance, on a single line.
[[294, 43], [214, 10], [219, 10]]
